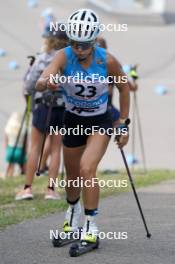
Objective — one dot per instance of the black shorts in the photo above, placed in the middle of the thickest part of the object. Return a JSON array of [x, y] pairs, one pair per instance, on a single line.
[[75, 139], [40, 117]]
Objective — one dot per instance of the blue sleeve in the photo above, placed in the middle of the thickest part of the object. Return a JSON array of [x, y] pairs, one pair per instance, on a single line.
[[68, 53]]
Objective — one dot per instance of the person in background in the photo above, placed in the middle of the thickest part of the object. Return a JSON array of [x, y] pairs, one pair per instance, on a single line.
[[15, 152], [133, 87], [53, 41]]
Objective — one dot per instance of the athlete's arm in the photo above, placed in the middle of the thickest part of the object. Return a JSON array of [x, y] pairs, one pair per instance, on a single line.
[[56, 66], [115, 70]]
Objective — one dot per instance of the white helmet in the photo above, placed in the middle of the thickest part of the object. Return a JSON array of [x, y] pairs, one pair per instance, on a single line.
[[83, 25]]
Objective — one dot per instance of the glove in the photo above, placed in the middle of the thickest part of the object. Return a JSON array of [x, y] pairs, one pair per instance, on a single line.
[[133, 73]]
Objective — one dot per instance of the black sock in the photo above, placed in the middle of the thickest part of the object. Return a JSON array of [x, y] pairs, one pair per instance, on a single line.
[[27, 186], [51, 188], [91, 212]]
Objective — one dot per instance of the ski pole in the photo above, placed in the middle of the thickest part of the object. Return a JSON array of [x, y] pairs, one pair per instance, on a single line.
[[148, 234], [134, 76], [27, 127], [133, 132], [32, 59], [28, 110], [140, 133], [46, 131]]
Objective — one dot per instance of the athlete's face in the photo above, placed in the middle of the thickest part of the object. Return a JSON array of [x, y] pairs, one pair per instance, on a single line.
[[82, 54], [82, 49]]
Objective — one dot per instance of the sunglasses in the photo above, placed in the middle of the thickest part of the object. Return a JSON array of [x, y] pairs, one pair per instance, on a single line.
[[81, 45]]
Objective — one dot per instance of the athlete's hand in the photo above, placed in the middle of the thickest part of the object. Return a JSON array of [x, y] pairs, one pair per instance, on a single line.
[[51, 85], [122, 134], [122, 140]]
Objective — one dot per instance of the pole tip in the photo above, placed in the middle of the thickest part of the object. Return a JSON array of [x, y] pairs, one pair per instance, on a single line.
[[148, 235], [37, 173]]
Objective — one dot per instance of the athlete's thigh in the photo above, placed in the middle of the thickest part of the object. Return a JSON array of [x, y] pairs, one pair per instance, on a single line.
[[95, 149], [72, 157]]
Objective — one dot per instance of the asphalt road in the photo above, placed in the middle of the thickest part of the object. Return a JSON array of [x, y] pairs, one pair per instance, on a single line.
[[29, 242], [152, 47]]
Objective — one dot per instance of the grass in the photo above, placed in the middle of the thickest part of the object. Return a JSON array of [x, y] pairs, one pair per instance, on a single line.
[[13, 212]]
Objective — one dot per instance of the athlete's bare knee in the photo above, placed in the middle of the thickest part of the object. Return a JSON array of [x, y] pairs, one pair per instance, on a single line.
[[86, 170]]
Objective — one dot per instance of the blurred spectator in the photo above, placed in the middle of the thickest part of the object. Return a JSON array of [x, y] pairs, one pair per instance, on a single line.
[[14, 142], [53, 41], [133, 87]]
